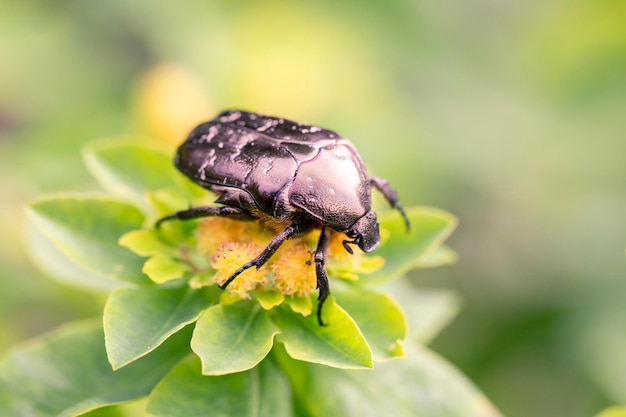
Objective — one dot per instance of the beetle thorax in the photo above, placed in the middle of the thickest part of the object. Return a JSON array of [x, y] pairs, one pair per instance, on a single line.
[[332, 187]]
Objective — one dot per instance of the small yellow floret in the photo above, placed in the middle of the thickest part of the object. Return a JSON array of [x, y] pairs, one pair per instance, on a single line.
[[294, 269], [231, 256], [213, 232]]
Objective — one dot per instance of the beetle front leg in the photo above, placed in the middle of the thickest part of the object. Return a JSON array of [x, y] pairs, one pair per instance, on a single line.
[[320, 271], [267, 253], [197, 212], [391, 196]]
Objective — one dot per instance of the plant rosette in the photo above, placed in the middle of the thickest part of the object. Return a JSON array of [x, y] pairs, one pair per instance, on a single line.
[[167, 313]]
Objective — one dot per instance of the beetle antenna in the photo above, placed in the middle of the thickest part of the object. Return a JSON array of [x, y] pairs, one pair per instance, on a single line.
[[407, 222]]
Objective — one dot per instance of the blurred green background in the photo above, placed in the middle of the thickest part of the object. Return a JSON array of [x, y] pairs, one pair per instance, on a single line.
[[509, 114]]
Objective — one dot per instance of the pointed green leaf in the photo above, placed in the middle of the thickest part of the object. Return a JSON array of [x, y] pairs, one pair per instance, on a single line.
[[340, 343], [352, 270], [162, 268], [443, 255], [56, 265], [233, 338], [86, 230], [429, 228], [146, 242], [66, 373], [129, 167], [300, 304], [380, 319], [262, 391], [422, 384], [112, 411], [138, 320], [269, 299]]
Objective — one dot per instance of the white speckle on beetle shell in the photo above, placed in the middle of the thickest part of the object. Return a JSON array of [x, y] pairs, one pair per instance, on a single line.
[[220, 145], [332, 191], [202, 169], [315, 129], [268, 168], [231, 117], [213, 131], [266, 125]]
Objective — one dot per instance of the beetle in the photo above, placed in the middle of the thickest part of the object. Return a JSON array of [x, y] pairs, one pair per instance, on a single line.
[[291, 177]]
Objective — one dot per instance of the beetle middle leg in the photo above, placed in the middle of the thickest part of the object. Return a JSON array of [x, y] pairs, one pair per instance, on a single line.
[[320, 271], [391, 196], [259, 261], [197, 212]]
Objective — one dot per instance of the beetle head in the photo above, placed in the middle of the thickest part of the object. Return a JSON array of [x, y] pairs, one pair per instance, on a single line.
[[364, 233]]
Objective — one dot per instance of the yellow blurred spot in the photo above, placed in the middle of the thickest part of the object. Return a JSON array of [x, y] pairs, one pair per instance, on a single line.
[[613, 412], [316, 59], [168, 102]]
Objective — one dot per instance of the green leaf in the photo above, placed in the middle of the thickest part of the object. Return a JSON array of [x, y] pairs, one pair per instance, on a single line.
[[422, 384], [162, 268], [352, 270], [138, 320], [380, 319], [113, 411], [129, 167], [86, 230], [66, 373], [269, 299], [443, 255], [340, 343], [146, 242], [56, 265], [402, 252], [599, 343], [233, 338], [262, 391], [428, 310], [300, 304]]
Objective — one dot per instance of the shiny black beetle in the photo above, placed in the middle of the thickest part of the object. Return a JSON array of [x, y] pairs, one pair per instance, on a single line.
[[284, 174]]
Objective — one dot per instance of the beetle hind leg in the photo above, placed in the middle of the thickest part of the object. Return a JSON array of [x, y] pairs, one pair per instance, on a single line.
[[197, 212], [391, 196]]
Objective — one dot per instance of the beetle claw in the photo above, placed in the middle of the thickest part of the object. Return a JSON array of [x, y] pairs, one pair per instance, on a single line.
[[348, 248]]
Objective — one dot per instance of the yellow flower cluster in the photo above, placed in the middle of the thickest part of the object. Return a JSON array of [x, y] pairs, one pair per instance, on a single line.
[[229, 244]]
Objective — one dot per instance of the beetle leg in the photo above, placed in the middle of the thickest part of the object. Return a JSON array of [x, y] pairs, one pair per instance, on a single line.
[[267, 253], [391, 196], [320, 271], [196, 212]]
